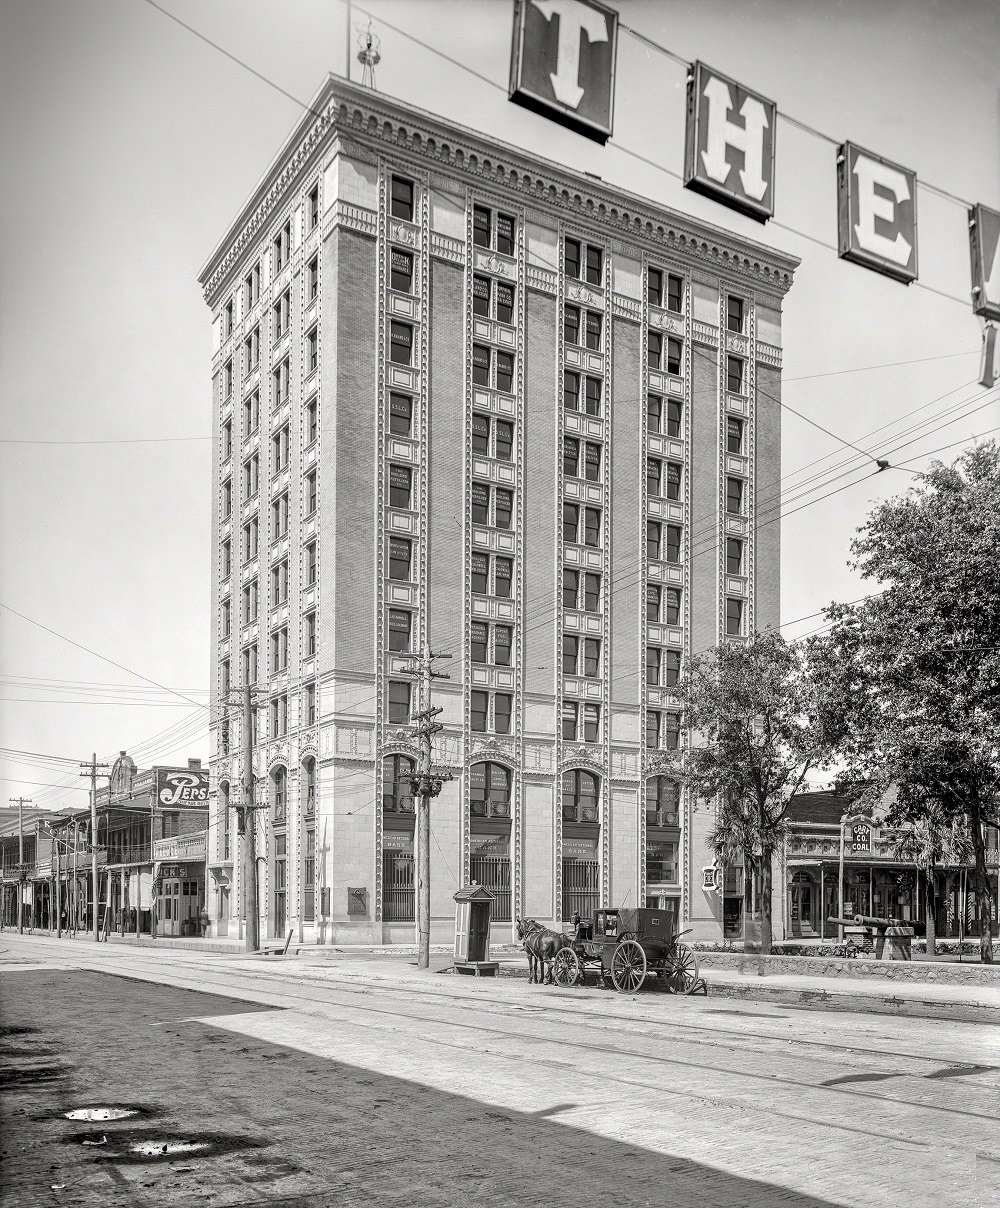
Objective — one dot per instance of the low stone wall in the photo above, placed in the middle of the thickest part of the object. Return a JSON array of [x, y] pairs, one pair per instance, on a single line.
[[820, 966]]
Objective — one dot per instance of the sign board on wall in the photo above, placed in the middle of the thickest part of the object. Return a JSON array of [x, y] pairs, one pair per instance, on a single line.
[[180, 788], [729, 147], [563, 62], [877, 213], [984, 241], [861, 839]]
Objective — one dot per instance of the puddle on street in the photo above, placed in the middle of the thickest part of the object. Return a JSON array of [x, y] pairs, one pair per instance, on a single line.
[[150, 1149]]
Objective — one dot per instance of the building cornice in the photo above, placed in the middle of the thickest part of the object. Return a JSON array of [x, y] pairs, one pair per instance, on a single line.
[[382, 125]]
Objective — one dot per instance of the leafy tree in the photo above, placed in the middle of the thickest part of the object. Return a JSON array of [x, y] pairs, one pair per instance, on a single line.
[[926, 843], [761, 727], [914, 671]]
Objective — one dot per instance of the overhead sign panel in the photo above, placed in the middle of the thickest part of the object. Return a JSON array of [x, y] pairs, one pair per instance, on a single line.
[[177, 788], [877, 213], [984, 242], [729, 148], [563, 62]]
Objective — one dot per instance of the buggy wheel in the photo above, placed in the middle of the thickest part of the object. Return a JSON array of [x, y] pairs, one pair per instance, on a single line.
[[684, 975], [566, 969], [628, 967]]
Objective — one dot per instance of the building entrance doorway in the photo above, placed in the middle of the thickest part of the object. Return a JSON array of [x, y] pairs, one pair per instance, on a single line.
[[801, 898], [178, 906]]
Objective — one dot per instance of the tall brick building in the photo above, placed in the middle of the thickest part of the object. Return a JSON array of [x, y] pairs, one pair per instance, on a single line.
[[463, 395]]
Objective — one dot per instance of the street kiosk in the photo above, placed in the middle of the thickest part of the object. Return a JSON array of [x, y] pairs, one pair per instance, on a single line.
[[472, 932]]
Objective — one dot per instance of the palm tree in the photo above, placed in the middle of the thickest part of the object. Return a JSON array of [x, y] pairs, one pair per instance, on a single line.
[[735, 839], [927, 843]]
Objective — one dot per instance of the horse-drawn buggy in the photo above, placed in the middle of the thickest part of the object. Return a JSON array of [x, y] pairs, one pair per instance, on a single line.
[[622, 946]]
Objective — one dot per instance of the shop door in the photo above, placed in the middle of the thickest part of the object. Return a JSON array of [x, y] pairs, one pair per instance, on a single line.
[[800, 905], [168, 907], [280, 884]]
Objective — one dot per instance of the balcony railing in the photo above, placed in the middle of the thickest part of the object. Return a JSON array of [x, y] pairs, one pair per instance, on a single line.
[[135, 853], [661, 817]]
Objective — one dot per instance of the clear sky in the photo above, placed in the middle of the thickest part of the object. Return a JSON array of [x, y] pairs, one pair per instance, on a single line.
[[129, 146]]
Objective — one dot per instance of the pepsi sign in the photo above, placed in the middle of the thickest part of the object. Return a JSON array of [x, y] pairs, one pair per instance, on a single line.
[[177, 788]]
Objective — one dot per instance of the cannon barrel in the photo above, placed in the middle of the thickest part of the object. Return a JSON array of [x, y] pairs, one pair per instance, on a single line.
[[869, 920], [841, 922]]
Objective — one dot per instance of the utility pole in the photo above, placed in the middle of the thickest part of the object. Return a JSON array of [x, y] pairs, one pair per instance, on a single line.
[[246, 822], [428, 782], [91, 771], [21, 803]]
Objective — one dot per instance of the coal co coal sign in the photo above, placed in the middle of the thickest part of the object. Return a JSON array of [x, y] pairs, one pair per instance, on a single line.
[[563, 66]]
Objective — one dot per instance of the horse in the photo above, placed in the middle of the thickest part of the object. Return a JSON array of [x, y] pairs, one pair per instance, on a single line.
[[541, 944]]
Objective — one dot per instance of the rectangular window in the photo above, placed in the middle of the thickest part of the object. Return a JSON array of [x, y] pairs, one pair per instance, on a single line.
[[591, 591], [595, 264], [309, 638], [734, 556], [591, 723], [593, 401], [482, 226], [570, 653], [654, 349], [591, 657], [502, 638], [227, 319], [279, 449], [673, 480], [279, 582], [279, 716], [280, 380], [652, 729], [571, 456], [505, 372], [401, 271], [734, 496], [227, 558], [503, 507], [674, 414], [481, 364], [480, 503], [400, 559], [310, 705], [312, 207], [592, 467], [654, 412], [503, 574], [653, 666], [674, 350], [480, 642], [654, 594], [571, 324], [480, 433], [251, 349], [654, 469], [227, 618], [279, 516], [671, 667], [251, 596], [251, 539], [505, 303], [569, 717], [672, 605], [251, 287], [400, 343], [571, 391], [503, 440], [400, 414], [311, 495], [227, 439], [400, 487], [311, 564], [171, 825], [401, 201], [675, 293], [571, 587], [282, 310], [480, 707], [502, 709], [482, 293], [594, 323], [251, 476], [400, 626], [312, 279], [673, 551], [312, 351], [481, 574], [734, 375], [671, 731], [279, 649], [571, 258], [251, 412], [399, 702], [282, 243], [505, 237], [734, 314], [734, 435], [592, 527], [654, 286], [734, 616], [249, 660], [227, 378], [225, 677]]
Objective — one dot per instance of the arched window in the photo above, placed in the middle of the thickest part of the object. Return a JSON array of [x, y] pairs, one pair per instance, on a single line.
[[580, 794], [309, 784], [224, 818], [663, 797], [279, 793], [489, 790], [397, 789]]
